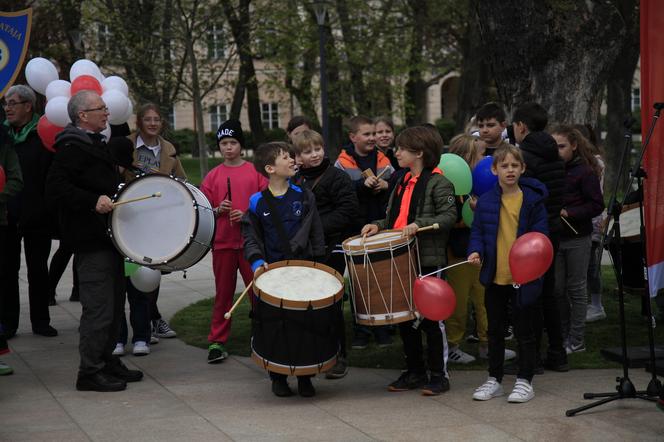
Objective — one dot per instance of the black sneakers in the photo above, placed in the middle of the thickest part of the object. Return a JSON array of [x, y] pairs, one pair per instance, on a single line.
[[46, 330], [304, 386], [438, 384], [280, 387], [409, 381], [339, 370]]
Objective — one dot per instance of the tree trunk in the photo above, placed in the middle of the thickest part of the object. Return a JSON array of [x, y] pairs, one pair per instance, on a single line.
[[355, 67], [241, 29], [619, 92], [475, 80], [416, 89], [238, 95], [557, 53]]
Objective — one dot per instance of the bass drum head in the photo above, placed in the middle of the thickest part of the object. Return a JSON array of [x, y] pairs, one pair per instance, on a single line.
[[155, 230]]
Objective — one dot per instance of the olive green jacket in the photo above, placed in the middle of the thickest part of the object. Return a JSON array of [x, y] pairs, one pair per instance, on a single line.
[[438, 208]]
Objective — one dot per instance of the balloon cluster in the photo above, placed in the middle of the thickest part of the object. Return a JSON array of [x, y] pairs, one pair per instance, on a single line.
[[84, 74]]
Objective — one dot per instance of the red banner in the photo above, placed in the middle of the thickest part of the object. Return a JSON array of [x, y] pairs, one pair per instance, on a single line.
[[652, 91]]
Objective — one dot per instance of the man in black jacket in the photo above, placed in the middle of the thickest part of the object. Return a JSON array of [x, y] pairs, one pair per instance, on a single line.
[[28, 218], [540, 152], [81, 181]]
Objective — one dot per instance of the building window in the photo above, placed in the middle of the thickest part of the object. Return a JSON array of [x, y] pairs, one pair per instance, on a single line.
[[218, 114], [270, 115], [636, 98], [104, 37], [171, 118], [215, 43]]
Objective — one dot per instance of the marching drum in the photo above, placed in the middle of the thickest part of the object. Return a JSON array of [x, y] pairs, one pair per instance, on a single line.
[[293, 327], [382, 270], [171, 232]]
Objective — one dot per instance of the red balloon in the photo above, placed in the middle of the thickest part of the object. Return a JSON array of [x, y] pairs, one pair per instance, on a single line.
[[530, 257], [434, 298], [3, 178], [47, 131], [85, 83]]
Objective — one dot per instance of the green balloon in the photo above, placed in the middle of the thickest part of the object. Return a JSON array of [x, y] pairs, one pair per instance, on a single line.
[[467, 213], [130, 268], [457, 171]]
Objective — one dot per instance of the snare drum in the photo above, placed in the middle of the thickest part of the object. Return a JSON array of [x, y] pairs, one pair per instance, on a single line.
[[172, 232], [382, 270], [293, 327]]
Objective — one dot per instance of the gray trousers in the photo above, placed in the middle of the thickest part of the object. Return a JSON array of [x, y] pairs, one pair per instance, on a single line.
[[102, 293], [572, 262]]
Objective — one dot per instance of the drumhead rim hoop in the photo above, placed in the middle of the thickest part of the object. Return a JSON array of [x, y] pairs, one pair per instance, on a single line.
[[121, 247], [376, 246], [294, 304]]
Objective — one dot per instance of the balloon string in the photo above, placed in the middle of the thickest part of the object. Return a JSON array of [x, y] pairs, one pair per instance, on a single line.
[[443, 269]]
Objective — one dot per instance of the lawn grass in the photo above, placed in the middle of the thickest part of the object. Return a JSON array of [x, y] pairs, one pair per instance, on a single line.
[[193, 324], [192, 168]]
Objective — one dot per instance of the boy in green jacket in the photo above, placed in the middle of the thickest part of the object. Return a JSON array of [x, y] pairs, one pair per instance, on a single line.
[[423, 197]]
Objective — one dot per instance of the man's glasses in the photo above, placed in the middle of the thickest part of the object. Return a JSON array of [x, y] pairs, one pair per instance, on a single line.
[[100, 108], [12, 104]]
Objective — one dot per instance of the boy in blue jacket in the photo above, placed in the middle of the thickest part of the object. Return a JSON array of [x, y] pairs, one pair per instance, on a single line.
[[513, 207]]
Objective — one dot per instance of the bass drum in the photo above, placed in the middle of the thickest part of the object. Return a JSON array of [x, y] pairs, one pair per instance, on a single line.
[[171, 232]]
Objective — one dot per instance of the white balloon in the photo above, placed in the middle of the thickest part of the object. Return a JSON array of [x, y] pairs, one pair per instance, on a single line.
[[130, 111], [115, 83], [107, 132], [117, 105], [85, 67], [40, 72], [58, 88], [56, 111], [146, 279]]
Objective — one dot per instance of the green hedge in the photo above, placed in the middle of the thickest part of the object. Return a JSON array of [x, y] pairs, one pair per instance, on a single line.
[[185, 139]]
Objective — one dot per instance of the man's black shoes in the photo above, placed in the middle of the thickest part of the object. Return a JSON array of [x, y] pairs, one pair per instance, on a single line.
[[100, 381]]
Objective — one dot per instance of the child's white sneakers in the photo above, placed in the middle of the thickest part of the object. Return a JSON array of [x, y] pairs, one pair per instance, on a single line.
[[522, 392], [488, 390]]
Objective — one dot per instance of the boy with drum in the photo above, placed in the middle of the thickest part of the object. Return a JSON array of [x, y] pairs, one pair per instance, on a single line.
[[228, 187], [281, 223], [423, 197]]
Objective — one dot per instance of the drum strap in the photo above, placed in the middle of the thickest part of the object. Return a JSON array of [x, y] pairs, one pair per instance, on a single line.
[[278, 224]]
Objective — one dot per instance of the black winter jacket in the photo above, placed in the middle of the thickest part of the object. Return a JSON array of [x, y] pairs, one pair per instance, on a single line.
[[540, 152], [28, 208], [81, 172], [336, 201]]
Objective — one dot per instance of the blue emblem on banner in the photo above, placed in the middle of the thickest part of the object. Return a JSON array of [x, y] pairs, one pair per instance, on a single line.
[[14, 38]]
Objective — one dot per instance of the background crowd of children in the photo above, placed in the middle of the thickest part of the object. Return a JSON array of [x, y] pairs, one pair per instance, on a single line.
[[548, 184]]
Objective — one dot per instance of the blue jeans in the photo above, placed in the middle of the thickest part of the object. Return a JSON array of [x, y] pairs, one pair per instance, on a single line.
[[139, 316], [571, 274], [594, 270]]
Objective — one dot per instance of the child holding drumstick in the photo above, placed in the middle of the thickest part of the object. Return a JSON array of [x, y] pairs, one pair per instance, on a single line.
[[423, 197], [228, 187], [281, 223]]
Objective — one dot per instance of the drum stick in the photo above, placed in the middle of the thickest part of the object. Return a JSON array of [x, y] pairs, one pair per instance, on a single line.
[[444, 268], [230, 198], [228, 314], [569, 225], [434, 226], [140, 198], [381, 174]]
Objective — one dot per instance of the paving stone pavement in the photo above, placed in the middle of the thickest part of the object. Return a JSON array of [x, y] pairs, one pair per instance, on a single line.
[[184, 398]]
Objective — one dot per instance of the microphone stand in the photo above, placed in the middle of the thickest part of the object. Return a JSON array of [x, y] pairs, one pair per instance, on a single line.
[[625, 388]]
